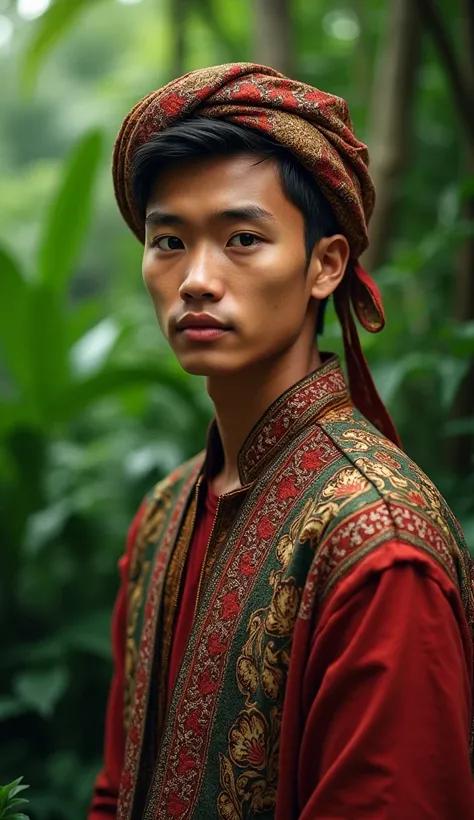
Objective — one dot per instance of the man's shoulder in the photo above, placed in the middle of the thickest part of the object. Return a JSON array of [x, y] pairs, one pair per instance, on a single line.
[[373, 495], [170, 493], [173, 484], [377, 465]]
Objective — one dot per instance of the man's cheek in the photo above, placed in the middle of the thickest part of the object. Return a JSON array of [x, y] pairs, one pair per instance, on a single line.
[[161, 315], [149, 280], [158, 301], [154, 290]]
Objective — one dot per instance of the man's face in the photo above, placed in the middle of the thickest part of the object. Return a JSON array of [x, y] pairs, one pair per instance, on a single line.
[[225, 264]]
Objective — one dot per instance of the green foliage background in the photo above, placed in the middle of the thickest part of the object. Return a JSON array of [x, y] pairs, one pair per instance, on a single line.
[[93, 408]]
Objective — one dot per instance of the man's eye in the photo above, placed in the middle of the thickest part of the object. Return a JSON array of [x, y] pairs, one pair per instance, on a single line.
[[244, 240], [168, 243]]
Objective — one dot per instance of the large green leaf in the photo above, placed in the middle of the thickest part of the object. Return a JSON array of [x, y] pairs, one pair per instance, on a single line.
[[15, 788], [448, 371], [41, 691], [48, 347], [10, 802], [91, 634], [84, 316], [113, 380], [91, 352], [14, 414], [69, 215], [222, 21], [51, 26], [11, 707], [14, 307]]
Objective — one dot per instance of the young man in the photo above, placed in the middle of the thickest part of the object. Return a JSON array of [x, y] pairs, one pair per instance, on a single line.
[[293, 633]]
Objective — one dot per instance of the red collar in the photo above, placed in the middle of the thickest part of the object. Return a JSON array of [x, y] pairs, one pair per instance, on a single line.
[[299, 406]]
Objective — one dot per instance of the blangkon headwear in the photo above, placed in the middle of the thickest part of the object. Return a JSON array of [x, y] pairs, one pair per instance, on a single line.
[[316, 128]]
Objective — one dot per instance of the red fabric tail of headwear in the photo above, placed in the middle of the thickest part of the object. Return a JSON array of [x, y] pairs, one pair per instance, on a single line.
[[361, 384]]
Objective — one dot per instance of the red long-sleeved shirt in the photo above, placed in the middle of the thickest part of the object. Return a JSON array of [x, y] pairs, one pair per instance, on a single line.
[[388, 695]]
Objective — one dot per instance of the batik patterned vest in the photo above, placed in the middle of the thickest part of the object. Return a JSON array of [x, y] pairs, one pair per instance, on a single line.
[[325, 490]]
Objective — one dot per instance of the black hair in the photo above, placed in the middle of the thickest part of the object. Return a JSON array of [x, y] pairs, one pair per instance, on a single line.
[[201, 137]]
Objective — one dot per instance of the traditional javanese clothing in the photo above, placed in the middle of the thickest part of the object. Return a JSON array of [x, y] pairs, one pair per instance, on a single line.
[[328, 672], [300, 647]]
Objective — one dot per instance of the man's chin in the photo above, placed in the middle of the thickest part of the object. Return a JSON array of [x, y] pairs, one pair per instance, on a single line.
[[196, 369], [198, 366]]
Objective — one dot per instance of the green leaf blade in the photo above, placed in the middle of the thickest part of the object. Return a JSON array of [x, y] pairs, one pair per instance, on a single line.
[[10, 708], [48, 348], [17, 790], [14, 314], [51, 27], [16, 816], [112, 379], [41, 691], [70, 212]]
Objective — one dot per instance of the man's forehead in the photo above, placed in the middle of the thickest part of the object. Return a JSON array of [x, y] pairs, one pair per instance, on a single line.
[[248, 169], [217, 183]]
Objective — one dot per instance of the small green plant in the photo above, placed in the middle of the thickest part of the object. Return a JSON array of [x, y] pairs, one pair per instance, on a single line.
[[10, 802]]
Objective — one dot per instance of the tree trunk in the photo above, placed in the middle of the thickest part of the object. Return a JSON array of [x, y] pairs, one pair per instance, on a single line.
[[391, 119], [362, 67], [273, 41], [179, 11], [459, 80], [463, 445]]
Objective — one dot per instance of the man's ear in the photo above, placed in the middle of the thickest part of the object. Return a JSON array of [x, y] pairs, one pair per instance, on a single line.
[[328, 265]]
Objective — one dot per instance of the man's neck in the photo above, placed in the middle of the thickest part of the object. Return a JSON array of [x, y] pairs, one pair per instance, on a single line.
[[240, 401]]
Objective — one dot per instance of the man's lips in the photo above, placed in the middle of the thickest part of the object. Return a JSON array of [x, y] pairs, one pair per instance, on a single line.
[[201, 327], [203, 334], [203, 321]]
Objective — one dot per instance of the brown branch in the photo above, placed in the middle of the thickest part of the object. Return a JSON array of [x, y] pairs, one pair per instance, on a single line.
[[462, 446], [210, 16], [462, 98], [273, 35], [390, 117], [469, 18], [179, 10]]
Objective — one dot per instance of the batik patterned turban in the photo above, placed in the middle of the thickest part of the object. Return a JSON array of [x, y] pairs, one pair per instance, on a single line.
[[316, 128]]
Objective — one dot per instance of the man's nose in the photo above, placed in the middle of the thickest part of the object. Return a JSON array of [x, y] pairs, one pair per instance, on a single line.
[[201, 280]]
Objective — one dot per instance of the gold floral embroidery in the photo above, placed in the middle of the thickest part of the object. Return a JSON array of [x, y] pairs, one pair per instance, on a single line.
[[345, 485], [150, 529], [262, 667], [135, 600], [386, 474], [338, 414], [248, 740], [383, 477], [286, 544], [317, 521], [433, 503], [247, 676], [363, 440], [283, 609], [273, 674], [387, 459], [252, 748], [384, 468], [308, 525], [225, 806]]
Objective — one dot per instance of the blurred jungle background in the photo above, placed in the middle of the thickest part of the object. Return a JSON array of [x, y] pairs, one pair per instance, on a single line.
[[93, 408]]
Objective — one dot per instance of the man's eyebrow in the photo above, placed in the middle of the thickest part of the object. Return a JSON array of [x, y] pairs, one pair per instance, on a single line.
[[249, 212], [252, 213], [159, 217]]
